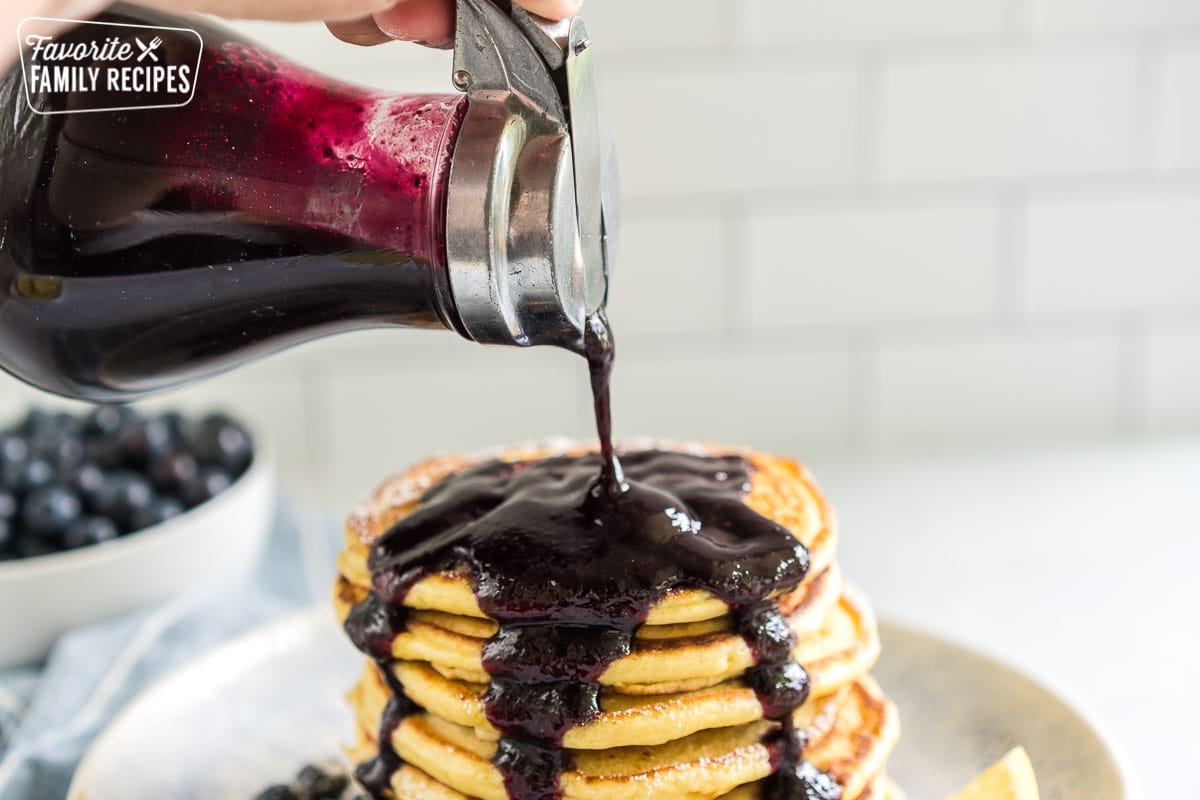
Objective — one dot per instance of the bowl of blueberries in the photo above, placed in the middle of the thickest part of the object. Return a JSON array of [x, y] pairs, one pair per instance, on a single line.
[[113, 509]]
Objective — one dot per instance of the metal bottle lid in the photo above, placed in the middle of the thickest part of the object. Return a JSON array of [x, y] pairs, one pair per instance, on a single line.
[[533, 164]]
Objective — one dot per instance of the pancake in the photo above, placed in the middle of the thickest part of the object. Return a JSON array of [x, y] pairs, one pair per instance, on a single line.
[[624, 720], [844, 647], [411, 783], [780, 489], [679, 715], [859, 730], [854, 731], [647, 717]]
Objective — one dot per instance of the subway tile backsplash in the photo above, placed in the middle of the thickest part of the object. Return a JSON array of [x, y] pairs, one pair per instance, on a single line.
[[848, 225], [1009, 113]]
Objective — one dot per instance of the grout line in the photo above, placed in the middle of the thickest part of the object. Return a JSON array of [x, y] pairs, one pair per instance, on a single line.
[[734, 31], [788, 339], [1020, 19], [871, 118], [1011, 238], [1133, 378], [801, 196], [866, 390], [738, 271]]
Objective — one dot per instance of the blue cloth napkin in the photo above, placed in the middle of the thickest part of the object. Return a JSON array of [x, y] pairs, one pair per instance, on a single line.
[[49, 714]]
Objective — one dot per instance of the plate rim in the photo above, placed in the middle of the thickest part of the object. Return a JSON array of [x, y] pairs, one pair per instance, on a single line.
[[1086, 712], [292, 624], [288, 625]]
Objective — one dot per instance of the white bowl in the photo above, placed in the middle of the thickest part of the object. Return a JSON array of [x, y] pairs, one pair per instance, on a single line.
[[206, 547]]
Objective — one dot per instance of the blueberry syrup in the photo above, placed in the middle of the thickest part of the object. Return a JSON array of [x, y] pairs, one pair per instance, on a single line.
[[793, 777], [143, 248], [600, 350], [570, 568], [375, 774]]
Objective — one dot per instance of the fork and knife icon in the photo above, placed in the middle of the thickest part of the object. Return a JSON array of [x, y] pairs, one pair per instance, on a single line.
[[148, 49]]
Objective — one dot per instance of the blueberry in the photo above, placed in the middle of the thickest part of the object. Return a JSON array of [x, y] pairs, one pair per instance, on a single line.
[[85, 480], [107, 420], [90, 530], [22, 477], [103, 451], [8, 535], [173, 469], [13, 448], [220, 441], [210, 482], [175, 422], [67, 424], [47, 512], [61, 450], [141, 440], [321, 785], [8, 504], [160, 509], [279, 792], [38, 421], [121, 495]]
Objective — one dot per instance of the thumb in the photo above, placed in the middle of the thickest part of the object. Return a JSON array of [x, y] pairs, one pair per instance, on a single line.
[[552, 9]]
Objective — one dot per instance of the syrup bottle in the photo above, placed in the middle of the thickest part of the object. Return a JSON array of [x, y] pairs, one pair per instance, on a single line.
[[143, 248]]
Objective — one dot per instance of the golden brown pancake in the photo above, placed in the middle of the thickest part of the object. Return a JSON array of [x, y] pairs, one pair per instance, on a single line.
[[850, 737], [845, 646], [780, 489]]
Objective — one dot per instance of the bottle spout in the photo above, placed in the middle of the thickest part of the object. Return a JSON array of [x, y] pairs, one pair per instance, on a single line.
[[531, 216]]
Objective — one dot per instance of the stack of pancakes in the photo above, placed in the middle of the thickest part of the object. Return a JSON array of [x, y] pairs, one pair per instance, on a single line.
[[676, 719]]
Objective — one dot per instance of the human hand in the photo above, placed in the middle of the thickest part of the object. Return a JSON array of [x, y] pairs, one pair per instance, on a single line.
[[429, 22]]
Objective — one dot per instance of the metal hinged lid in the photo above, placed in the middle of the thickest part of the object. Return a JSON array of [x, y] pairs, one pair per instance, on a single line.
[[531, 209]]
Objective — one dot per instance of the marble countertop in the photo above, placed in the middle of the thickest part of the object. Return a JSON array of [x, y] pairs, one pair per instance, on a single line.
[[1079, 565]]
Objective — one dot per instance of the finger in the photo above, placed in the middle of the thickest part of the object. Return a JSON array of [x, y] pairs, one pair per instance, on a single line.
[[363, 30], [283, 10], [552, 9], [429, 22]]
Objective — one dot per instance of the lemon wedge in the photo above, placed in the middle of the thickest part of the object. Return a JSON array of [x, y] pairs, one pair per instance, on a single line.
[[1010, 778]]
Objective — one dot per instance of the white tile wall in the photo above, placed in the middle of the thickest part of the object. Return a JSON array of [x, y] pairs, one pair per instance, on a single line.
[[872, 262], [792, 402], [1113, 251], [1112, 15], [870, 20], [1011, 114], [853, 224], [1173, 377], [659, 25], [718, 128], [1008, 384], [1179, 143], [670, 278], [376, 417]]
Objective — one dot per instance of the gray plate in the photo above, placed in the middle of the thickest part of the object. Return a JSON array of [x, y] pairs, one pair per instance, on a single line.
[[254, 711], [960, 711]]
